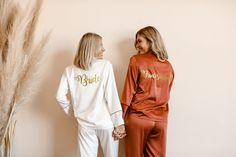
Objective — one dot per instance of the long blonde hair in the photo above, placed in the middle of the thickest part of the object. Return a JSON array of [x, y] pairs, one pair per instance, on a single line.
[[156, 43], [88, 47]]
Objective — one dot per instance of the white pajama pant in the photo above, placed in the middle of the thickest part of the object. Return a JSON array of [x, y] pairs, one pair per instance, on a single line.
[[89, 139]]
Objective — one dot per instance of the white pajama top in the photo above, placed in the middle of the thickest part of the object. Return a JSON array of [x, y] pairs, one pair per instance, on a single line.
[[91, 95]]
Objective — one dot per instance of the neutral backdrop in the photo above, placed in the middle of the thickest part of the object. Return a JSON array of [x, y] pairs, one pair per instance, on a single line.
[[200, 38]]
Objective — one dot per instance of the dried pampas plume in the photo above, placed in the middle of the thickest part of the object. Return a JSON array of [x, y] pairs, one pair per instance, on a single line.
[[20, 60]]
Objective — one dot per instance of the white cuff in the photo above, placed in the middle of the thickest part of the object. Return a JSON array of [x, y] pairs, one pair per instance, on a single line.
[[68, 110], [117, 119]]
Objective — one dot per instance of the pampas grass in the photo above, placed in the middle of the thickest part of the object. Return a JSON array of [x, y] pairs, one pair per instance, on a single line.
[[20, 60]]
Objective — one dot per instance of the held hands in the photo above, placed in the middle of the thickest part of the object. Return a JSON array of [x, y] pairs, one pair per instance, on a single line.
[[119, 132]]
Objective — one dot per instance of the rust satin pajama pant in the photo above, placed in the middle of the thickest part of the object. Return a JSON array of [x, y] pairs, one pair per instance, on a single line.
[[145, 138]]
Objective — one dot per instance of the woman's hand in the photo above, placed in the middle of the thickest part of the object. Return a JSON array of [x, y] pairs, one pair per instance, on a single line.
[[119, 132]]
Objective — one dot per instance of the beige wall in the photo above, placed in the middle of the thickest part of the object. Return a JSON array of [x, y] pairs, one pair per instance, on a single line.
[[200, 37]]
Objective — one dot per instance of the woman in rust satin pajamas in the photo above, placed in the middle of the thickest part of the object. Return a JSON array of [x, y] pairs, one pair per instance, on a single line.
[[145, 96]]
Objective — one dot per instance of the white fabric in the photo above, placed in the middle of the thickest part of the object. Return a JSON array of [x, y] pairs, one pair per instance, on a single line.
[[91, 95], [88, 141]]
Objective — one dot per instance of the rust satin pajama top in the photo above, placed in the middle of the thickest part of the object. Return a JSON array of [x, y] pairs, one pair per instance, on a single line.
[[147, 87]]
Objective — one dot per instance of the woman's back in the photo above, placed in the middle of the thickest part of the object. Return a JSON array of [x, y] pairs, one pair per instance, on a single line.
[[154, 80], [89, 90]]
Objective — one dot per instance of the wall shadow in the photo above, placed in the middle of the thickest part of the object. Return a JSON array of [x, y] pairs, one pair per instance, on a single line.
[[126, 50], [63, 139], [63, 127]]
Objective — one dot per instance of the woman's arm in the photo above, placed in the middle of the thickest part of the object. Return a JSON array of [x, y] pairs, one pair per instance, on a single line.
[[130, 85], [62, 95]]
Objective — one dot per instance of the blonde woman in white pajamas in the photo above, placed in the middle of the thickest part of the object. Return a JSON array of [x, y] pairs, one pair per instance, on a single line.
[[88, 90]]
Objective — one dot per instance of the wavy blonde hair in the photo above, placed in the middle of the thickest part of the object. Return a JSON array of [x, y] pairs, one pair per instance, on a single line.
[[156, 43], [88, 47]]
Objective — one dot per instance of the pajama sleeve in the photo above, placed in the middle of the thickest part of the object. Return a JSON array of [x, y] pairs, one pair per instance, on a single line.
[[112, 98], [62, 95], [129, 86]]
